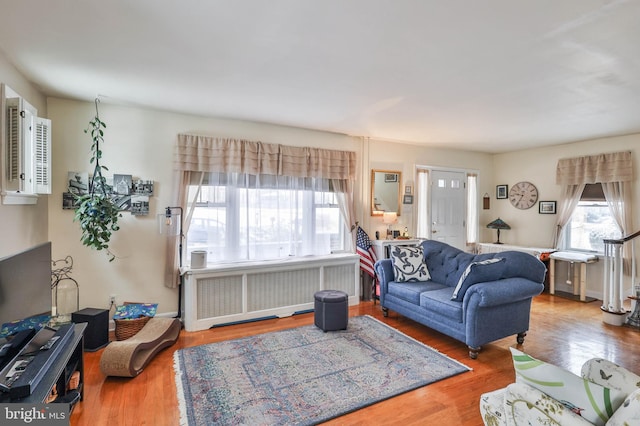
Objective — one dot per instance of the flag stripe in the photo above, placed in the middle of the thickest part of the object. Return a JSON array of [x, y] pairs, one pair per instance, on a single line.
[[365, 251]]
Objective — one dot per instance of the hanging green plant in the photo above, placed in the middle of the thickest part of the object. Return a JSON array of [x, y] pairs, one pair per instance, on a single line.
[[95, 211]]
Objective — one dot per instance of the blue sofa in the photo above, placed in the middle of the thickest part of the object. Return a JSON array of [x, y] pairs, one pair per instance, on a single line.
[[475, 299]]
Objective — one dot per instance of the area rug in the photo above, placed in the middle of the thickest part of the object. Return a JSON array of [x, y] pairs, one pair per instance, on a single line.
[[303, 375]]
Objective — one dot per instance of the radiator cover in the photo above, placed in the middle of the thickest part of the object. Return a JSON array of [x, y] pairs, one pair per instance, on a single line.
[[247, 291]]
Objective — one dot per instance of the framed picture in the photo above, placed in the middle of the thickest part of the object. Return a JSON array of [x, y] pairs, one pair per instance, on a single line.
[[547, 207], [501, 191], [408, 199], [390, 177], [407, 190]]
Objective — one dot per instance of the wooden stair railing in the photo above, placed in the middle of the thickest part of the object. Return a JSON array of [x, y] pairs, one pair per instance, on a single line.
[[614, 277]]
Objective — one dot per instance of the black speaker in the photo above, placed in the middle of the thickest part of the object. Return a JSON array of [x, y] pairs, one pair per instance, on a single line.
[[96, 335]]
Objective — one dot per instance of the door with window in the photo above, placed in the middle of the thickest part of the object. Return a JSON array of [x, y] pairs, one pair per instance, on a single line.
[[448, 207]]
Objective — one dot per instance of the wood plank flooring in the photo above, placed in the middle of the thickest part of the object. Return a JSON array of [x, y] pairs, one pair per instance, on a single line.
[[563, 332]]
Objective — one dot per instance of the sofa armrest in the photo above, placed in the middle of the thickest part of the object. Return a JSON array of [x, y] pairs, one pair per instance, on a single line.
[[384, 272], [608, 374], [503, 291], [526, 405], [628, 413]]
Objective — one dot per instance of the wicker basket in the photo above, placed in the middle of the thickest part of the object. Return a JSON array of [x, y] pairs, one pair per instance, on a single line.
[[126, 328]]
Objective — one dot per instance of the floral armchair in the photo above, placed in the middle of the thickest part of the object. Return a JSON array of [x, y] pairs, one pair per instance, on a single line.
[[606, 394]]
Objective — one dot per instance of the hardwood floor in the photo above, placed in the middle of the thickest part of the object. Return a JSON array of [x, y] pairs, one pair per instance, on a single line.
[[562, 332]]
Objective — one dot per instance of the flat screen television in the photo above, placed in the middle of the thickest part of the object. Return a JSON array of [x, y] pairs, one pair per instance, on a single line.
[[25, 283]]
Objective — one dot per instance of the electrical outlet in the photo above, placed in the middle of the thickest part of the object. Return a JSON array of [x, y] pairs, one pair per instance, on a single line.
[[112, 300]]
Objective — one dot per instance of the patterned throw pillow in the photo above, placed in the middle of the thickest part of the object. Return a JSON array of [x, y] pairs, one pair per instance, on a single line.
[[593, 402], [408, 264], [135, 310], [36, 322], [483, 271]]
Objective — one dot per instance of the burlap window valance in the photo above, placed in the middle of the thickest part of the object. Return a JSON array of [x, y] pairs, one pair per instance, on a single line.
[[601, 168], [209, 154]]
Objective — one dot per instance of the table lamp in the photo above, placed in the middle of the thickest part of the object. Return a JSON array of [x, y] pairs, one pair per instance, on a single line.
[[389, 218], [498, 224]]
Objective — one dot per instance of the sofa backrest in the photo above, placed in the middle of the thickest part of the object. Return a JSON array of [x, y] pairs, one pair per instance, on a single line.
[[446, 263]]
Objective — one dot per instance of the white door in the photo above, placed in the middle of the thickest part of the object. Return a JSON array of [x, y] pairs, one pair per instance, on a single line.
[[448, 207]]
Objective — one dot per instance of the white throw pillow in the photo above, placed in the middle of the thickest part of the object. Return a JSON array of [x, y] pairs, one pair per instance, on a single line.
[[483, 271], [408, 264], [593, 402]]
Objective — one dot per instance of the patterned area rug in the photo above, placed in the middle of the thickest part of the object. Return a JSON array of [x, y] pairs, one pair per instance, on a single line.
[[303, 375]]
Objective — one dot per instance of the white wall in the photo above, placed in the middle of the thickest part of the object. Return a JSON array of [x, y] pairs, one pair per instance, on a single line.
[[139, 142], [22, 227]]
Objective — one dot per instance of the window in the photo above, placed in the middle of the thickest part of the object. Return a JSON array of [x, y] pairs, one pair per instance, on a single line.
[[242, 217], [27, 146], [591, 222]]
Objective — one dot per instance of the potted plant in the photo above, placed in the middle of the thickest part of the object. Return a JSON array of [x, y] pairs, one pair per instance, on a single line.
[[96, 212]]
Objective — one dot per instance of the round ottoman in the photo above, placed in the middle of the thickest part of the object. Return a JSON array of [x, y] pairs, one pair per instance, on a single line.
[[331, 310]]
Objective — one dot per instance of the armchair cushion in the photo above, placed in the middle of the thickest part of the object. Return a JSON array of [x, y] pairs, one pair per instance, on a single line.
[[408, 264], [593, 402], [628, 413], [526, 405], [478, 272], [606, 373]]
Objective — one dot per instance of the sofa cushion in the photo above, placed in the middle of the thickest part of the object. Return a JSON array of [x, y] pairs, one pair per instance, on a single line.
[[478, 272], [408, 264], [593, 402], [439, 303], [410, 291]]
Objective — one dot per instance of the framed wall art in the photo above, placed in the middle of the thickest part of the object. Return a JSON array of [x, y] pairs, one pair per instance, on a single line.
[[547, 207], [502, 191]]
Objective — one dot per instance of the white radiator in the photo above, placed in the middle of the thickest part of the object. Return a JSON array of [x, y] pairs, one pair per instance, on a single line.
[[247, 291]]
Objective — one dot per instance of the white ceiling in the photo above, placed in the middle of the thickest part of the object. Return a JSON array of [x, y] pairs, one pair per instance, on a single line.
[[486, 75]]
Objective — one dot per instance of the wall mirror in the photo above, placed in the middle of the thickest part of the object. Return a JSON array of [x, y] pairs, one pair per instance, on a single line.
[[385, 191]]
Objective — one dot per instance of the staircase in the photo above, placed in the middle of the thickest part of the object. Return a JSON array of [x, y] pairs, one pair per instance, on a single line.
[[614, 281]]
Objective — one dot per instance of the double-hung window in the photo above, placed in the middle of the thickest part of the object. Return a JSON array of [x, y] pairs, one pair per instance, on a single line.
[[591, 222], [239, 217]]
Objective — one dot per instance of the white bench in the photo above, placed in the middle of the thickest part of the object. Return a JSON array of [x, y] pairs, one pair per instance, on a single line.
[[579, 287]]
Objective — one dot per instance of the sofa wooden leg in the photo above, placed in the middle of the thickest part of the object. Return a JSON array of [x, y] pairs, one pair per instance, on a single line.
[[520, 338], [385, 312], [473, 352]]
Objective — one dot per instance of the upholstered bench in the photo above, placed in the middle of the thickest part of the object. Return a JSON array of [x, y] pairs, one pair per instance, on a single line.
[[127, 358], [331, 310]]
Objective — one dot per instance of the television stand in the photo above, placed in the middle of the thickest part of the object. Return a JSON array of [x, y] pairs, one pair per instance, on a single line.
[[66, 362]]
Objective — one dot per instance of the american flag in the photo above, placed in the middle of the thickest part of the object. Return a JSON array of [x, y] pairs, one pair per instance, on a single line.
[[364, 249]]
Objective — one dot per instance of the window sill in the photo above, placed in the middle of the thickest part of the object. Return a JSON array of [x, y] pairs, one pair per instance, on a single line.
[[19, 198], [276, 263]]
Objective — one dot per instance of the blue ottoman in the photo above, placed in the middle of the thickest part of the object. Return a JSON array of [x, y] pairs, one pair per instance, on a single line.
[[331, 310]]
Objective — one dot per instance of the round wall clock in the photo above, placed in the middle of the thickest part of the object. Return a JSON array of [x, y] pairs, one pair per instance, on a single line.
[[523, 195]]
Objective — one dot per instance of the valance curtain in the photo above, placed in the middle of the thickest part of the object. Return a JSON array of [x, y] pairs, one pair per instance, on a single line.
[[196, 156], [208, 154], [613, 170], [601, 168]]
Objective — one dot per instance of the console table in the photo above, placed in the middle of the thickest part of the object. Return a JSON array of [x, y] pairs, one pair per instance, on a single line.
[[382, 248], [538, 252], [541, 253]]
